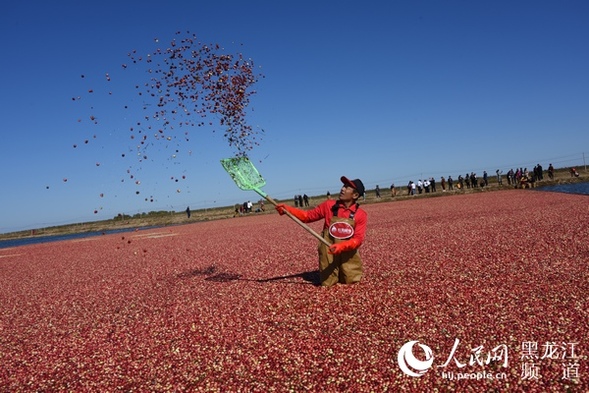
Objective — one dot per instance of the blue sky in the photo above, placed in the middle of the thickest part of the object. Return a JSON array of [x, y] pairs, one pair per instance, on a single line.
[[382, 91]]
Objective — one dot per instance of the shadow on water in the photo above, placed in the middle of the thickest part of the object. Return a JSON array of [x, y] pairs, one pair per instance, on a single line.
[[198, 272], [310, 277]]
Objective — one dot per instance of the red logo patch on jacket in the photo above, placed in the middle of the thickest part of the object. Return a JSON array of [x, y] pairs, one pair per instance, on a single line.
[[341, 230]]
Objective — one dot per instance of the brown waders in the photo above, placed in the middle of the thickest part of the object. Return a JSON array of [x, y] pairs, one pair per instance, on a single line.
[[345, 268]]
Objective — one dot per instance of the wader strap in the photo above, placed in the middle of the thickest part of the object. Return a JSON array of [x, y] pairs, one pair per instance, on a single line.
[[335, 209]]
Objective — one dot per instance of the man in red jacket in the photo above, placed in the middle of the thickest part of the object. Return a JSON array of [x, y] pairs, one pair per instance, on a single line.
[[344, 227]]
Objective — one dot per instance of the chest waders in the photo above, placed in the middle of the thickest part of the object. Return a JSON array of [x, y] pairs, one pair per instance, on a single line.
[[345, 268]]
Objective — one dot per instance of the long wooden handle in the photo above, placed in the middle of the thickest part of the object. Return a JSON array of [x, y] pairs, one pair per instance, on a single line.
[[307, 228]]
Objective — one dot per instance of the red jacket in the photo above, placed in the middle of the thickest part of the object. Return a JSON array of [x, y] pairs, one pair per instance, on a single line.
[[324, 210]]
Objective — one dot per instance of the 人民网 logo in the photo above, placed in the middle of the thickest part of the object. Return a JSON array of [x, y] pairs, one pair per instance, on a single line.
[[411, 365]]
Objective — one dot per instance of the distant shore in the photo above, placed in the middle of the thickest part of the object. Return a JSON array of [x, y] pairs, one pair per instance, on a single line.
[[162, 219]]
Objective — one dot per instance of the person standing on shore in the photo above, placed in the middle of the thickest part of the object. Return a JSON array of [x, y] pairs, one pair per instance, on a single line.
[[344, 227], [550, 171], [499, 179]]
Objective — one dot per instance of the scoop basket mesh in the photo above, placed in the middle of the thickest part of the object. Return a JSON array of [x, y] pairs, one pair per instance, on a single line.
[[247, 177], [244, 173]]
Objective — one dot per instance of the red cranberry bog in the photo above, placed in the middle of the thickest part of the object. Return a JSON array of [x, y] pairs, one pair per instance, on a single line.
[[481, 292]]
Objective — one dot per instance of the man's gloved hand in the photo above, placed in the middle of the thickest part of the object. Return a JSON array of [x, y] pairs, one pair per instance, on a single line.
[[348, 245], [281, 208], [300, 214]]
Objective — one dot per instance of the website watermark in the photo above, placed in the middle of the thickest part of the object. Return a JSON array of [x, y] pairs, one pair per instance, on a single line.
[[457, 376], [415, 359]]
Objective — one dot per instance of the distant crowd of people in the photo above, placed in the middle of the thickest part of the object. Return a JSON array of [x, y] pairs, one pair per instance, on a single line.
[[301, 200], [520, 177], [248, 207]]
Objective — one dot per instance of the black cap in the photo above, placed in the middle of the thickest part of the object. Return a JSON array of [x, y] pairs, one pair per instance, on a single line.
[[355, 184]]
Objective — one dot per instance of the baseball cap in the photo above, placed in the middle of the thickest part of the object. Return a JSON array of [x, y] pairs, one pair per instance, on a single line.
[[355, 184]]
